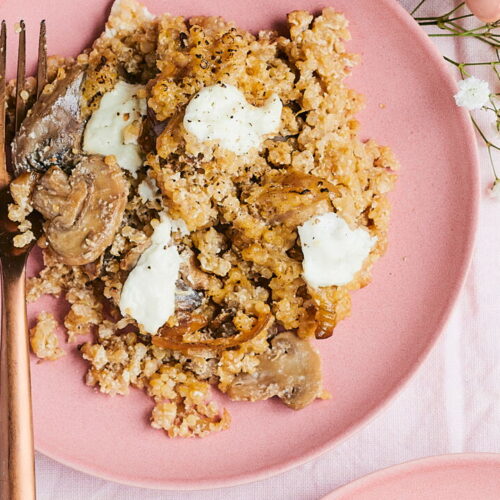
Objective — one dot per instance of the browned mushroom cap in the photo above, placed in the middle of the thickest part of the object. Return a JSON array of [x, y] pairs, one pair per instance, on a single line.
[[53, 129], [83, 210], [291, 370]]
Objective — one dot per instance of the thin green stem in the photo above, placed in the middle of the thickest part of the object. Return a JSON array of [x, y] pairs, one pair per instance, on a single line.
[[444, 22], [451, 61], [472, 32], [485, 139], [485, 63], [495, 69], [455, 63], [459, 66], [459, 6], [417, 7], [435, 20], [492, 163], [465, 16], [494, 105], [458, 33], [473, 35], [482, 32]]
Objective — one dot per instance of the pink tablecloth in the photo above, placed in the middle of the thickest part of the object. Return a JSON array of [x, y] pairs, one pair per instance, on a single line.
[[451, 405]]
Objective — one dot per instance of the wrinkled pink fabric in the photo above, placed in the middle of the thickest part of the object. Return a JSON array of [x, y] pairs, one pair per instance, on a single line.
[[451, 405]]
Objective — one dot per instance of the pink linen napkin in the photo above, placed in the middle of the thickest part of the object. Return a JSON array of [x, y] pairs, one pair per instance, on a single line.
[[451, 405]]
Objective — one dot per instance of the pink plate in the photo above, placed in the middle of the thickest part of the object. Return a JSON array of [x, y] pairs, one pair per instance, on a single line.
[[447, 477], [395, 321]]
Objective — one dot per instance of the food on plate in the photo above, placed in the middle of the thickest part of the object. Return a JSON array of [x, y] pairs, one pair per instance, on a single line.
[[208, 205], [83, 210]]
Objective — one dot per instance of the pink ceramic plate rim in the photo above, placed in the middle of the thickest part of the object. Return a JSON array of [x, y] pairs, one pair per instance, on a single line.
[[412, 466], [469, 141]]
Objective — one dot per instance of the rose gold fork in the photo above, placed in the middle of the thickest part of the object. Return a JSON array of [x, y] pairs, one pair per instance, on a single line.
[[17, 466]]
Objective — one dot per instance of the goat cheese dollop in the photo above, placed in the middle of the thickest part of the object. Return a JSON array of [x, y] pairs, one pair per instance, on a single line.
[[114, 127], [333, 252], [221, 113], [148, 294]]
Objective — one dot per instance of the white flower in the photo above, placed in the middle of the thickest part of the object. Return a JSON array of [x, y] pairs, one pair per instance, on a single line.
[[495, 189], [473, 93]]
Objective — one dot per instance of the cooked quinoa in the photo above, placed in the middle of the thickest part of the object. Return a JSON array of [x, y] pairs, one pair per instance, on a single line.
[[241, 250], [43, 339]]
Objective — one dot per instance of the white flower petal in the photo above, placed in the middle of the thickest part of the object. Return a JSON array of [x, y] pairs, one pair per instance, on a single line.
[[473, 93]]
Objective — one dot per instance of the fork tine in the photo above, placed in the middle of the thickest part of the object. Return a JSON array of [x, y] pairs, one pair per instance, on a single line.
[[21, 75], [4, 175], [41, 76]]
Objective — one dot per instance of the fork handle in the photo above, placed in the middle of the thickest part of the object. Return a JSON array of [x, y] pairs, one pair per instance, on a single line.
[[17, 461]]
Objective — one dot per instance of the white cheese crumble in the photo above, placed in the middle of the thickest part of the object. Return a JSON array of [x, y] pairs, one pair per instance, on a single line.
[[333, 252], [148, 190], [221, 113], [179, 226], [148, 294], [104, 133]]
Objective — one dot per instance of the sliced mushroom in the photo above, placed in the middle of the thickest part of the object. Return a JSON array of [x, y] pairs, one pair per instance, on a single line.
[[53, 129], [191, 273], [186, 298], [291, 370], [84, 210], [291, 199]]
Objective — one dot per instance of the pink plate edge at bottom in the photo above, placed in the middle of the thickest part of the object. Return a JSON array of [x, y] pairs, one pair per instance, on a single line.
[[392, 474], [294, 461]]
